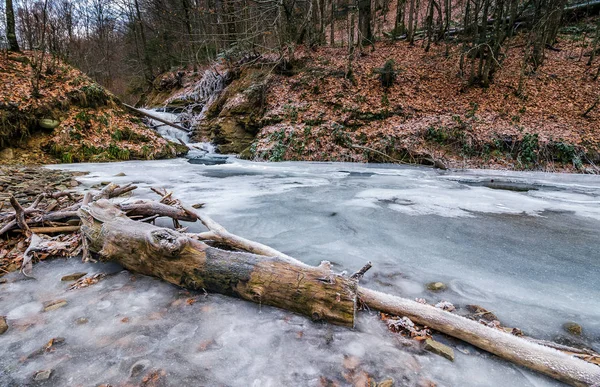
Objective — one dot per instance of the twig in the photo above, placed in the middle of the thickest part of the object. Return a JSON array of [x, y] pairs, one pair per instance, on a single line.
[[359, 274], [19, 213]]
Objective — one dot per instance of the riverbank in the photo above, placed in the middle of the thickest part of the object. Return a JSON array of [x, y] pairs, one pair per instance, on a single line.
[[312, 110], [58, 114]]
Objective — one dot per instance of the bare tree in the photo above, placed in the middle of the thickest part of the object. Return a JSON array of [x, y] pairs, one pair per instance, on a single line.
[[11, 34]]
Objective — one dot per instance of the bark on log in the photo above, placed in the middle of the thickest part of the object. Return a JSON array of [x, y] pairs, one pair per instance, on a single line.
[[174, 257], [545, 360]]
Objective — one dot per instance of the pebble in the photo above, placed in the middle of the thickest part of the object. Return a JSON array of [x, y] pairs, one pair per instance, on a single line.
[[139, 367], [3, 325], [436, 286], [389, 382], [72, 277], [42, 375], [439, 349], [81, 321], [573, 328], [53, 305]]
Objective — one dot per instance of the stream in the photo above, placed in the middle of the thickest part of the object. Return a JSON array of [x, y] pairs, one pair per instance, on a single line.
[[524, 245]]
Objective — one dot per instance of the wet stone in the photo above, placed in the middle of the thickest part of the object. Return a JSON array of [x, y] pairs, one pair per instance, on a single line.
[[439, 349], [573, 328], [53, 305], [3, 325], [81, 321], [436, 286], [138, 368], [72, 277], [389, 382], [121, 174], [42, 375], [481, 312]]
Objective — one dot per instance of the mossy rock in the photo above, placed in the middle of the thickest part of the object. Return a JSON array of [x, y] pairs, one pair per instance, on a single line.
[[436, 286], [48, 123], [573, 328]]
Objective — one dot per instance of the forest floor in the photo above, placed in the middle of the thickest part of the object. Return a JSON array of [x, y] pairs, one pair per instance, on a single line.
[[430, 113], [71, 119]]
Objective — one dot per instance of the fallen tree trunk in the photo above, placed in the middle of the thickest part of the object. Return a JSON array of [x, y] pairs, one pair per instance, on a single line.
[[156, 118], [174, 257], [545, 360]]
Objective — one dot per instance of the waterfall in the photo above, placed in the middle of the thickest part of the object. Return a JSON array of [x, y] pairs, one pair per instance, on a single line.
[[198, 98]]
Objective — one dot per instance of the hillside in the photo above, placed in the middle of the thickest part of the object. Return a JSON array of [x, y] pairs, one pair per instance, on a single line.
[[312, 111], [72, 119], [430, 113]]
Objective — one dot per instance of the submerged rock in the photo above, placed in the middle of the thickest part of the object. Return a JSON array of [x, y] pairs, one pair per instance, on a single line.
[[436, 286], [573, 328], [72, 277], [139, 367], [389, 382], [42, 375], [3, 325], [439, 349], [481, 312], [53, 305]]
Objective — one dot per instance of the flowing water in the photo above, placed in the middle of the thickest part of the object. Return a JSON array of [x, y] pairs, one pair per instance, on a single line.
[[524, 245]]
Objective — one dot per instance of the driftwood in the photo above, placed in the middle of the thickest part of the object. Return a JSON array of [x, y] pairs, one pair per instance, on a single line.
[[156, 118], [144, 248], [261, 274]]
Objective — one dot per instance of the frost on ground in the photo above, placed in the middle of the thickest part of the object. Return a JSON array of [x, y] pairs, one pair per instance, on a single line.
[[529, 255], [128, 327]]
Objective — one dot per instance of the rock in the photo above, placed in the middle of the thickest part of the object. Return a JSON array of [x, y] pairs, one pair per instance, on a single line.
[[104, 182], [73, 183], [121, 174], [42, 375], [573, 328], [138, 367], [3, 325], [53, 305], [436, 286], [72, 277], [389, 382], [7, 154], [81, 321], [481, 312], [48, 123], [439, 349]]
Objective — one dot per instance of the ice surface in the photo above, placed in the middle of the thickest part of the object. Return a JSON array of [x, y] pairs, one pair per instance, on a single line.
[[532, 257]]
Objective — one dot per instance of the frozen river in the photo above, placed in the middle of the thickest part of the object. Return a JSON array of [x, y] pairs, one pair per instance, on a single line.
[[530, 254]]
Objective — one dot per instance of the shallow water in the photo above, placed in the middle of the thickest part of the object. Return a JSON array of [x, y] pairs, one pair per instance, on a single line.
[[532, 256]]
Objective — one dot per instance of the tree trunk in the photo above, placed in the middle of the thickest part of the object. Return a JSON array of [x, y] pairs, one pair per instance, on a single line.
[[11, 35], [174, 257], [542, 359], [364, 22]]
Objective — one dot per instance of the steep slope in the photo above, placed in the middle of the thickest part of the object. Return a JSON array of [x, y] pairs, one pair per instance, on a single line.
[[71, 119]]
